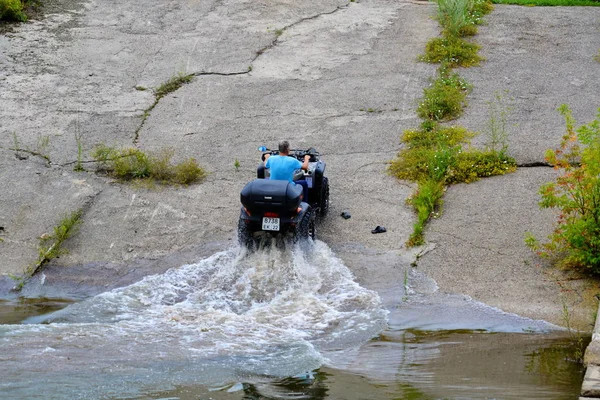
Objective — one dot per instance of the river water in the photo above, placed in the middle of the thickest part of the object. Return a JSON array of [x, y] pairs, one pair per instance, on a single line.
[[280, 324]]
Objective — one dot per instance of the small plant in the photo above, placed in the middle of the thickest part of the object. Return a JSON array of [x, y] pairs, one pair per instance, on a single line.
[[51, 245], [12, 10], [79, 164], [597, 56], [236, 165], [497, 134], [132, 163], [39, 151], [575, 242]]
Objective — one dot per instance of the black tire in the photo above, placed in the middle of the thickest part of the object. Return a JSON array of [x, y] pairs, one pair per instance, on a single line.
[[306, 228], [245, 238], [324, 205]]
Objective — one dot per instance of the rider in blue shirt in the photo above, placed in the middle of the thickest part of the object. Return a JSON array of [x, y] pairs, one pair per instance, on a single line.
[[282, 166]]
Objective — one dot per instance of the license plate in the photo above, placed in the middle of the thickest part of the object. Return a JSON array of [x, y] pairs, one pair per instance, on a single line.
[[309, 182], [270, 224]]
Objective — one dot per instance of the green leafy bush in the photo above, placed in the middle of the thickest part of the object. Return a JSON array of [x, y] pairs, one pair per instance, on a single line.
[[132, 163], [452, 52], [575, 241], [12, 10]]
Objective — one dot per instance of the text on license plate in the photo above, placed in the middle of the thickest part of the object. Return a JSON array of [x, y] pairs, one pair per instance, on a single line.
[[270, 224]]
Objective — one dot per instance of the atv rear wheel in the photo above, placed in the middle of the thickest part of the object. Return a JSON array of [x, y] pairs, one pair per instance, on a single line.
[[324, 203], [245, 238], [306, 227]]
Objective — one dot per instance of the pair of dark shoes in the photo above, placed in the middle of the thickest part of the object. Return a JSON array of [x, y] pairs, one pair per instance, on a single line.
[[379, 229]]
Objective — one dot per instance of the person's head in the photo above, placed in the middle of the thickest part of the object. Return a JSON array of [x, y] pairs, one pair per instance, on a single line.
[[284, 147]]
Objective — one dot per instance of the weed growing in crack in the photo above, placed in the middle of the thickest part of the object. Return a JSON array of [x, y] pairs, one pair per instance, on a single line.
[[452, 52], [51, 245], [79, 164], [496, 133], [435, 156], [445, 99], [133, 164], [172, 85], [40, 151], [236, 165]]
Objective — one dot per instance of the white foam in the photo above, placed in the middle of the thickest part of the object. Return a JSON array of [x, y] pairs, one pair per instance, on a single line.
[[270, 312]]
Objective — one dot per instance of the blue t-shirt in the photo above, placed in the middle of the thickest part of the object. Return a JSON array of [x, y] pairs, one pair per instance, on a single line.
[[282, 167]]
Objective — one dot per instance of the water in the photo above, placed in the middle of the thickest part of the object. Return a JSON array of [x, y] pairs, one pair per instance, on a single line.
[[284, 324]]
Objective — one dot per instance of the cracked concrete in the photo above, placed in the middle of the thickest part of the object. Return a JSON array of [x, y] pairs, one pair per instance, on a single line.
[[266, 70]]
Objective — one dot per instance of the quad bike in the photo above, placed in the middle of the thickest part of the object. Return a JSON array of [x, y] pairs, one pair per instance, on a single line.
[[276, 208]]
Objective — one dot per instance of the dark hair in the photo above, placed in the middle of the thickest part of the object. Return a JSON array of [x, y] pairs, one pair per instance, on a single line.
[[284, 146]]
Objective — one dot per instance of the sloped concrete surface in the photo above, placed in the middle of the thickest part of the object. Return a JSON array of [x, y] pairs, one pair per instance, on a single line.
[[336, 75]]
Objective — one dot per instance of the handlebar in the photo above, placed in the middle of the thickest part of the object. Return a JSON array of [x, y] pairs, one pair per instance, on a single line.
[[296, 153]]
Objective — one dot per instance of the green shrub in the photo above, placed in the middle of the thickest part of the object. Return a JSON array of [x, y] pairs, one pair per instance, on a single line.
[[434, 157], [445, 99], [132, 163], [429, 152], [452, 52], [160, 165], [12, 10], [188, 172], [471, 165], [575, 242]]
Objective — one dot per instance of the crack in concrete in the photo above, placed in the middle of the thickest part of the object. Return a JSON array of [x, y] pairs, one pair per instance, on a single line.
[[535, 164], [285, 28], [273, 43]]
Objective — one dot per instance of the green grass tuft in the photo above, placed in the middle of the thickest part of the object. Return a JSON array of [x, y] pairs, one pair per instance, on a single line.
[[134, 164], [452, 52]]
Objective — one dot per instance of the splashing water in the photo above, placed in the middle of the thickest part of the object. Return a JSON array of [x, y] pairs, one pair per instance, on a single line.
[[227, 318]]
